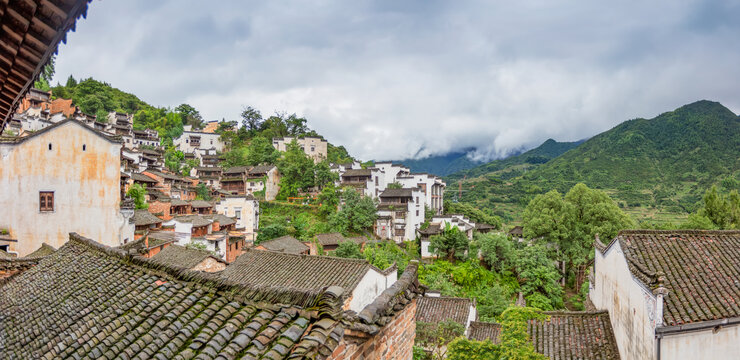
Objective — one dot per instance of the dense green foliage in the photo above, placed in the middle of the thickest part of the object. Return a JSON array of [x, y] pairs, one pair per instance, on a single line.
[[451, 244], [435, 336], [568, 225], [662, 165], [357, 214], [138, 193], [348, 250], [384, 254], [515, 341]]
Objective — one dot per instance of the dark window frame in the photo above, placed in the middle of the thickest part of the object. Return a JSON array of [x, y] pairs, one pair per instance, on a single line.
[[46, 201]]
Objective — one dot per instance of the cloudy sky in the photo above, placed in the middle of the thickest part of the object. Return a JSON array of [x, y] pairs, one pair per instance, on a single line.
[[396, 79]]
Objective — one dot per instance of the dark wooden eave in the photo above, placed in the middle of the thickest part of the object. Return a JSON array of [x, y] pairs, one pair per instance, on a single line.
[[30, 31]]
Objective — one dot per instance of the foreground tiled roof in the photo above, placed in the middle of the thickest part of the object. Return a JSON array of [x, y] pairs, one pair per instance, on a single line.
[[181, 257], [144, 217], [481, 331], [44, 250], [303, 272], [286, 244], [701, 270], [90, 301], [574, 335], [438, 309]]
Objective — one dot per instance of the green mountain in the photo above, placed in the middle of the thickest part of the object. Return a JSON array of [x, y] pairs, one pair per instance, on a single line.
[[547, 151], [655, 169], [441, 165]]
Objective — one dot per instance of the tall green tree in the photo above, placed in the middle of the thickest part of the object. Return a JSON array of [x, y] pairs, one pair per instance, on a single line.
[[357, 214], [348, 250], [451, 244], [190, 116], [260, 151], [324, 175], [296, 170], [251, 119], [571, 224], [719, 211], [138, 193], [498, 250]]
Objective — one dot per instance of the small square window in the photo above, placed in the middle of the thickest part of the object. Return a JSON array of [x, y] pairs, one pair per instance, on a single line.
[[46, 201]]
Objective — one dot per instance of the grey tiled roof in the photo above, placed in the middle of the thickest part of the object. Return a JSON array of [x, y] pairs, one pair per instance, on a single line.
[[700, 270], [357, 172], [223, 220], [196, 220], [200, 204], [330, 239], [182, 257], [286, 244], [44, 250], [143, 178], [144, 217], [481, 331], [393, 193], [90, 301], [303, 272], [438, 309], [574, 335]]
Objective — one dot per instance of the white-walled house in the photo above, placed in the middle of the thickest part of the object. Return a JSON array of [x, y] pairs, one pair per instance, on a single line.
[[195, 141], [64, 178], [314, 147], [671, 294], [432, 186], [400, 214], [362, 283], [245, 209], [437, 226]]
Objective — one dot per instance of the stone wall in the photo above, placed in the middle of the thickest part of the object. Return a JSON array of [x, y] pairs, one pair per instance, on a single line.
[[394, 341]]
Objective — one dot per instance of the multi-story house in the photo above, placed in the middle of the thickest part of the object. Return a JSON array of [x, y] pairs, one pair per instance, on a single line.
[[670, 294], [245, 209], [438, 224], [314, 147], [400, 214], [432, 186], [243, 180], [55, 181], [191, 141]]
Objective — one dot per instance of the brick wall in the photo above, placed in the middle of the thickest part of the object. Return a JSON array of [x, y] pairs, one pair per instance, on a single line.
[[156, 207], [394, 341]]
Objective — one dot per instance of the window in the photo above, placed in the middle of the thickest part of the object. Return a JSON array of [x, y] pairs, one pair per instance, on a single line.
[[84, 147], [49, 146], [46, 201], [238, 213], [313, 148], [417, 212]]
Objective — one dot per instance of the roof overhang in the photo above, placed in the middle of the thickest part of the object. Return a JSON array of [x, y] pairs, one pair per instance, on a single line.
[[31, 32]]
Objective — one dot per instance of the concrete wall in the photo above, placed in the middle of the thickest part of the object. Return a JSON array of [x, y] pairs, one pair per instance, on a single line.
[[315, 148], [724, 344], [272, 188], [394, 341], [632, 307], [86, 186]]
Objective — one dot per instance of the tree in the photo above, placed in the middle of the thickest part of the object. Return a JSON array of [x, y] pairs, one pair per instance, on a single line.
[[464, 349], [451, 244], [435, 336], [71, 82], [324, 175], [328, 200], [251, 119], [138, 193], [190, 116], [260, 151], [297, 126], [270, 232], [538, 275], [719, 210], [297, 171], [173, 158], [203, 193], [349, 250], [571, 224], [47, 73], [497, 250], [357, 213]]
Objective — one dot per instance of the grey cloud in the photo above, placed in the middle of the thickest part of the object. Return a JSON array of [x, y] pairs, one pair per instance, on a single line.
[[395, 79]]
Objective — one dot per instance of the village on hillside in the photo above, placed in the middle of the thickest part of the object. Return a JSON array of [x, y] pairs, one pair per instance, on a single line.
[[262, 240]]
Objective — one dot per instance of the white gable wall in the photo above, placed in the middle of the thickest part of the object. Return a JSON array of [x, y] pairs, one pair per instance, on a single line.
[[631, 306], [369, 288]]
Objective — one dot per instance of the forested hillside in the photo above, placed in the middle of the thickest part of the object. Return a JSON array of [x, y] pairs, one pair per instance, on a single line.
[[661, 165]]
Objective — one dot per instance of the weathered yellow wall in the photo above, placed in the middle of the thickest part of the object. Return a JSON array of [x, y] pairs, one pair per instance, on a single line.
[[85, 185]]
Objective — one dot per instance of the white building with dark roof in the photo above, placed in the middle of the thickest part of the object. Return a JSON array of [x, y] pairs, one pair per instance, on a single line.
[[400, 214]]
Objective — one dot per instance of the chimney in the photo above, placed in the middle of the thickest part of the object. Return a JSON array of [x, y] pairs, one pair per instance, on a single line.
[[660, 293]]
